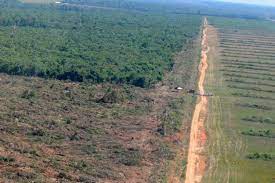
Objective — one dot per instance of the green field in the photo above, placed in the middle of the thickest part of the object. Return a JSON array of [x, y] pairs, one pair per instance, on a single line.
[[241, 121]]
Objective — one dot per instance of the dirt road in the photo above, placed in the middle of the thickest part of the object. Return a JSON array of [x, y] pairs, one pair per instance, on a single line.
[[196, 160]]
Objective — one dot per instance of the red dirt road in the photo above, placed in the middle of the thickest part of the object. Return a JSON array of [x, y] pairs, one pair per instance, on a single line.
[[196, 160]]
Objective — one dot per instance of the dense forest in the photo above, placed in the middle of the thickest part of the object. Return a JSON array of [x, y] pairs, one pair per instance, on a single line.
[[129, 42], [95, 45], [198, 7]]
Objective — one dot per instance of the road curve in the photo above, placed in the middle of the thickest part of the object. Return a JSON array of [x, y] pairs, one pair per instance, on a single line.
[[196, 161]]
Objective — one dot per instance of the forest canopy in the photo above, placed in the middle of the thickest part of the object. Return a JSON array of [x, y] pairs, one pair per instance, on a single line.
[[94, 45]]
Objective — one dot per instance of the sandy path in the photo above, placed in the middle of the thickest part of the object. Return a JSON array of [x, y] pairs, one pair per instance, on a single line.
[[196, 160]]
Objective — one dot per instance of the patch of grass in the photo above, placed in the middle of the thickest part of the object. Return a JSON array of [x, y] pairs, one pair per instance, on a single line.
[[128, 157], [165, 152], [259, 119], [254, 106], [21, 176], [253, 88], [249, 77], [259, 83], [172, 117], [251, 95], [89, 149], [244, 71], [28, 94], [79, 165]]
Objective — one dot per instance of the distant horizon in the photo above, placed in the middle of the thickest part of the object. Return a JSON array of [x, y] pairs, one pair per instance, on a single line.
[[253, 2]]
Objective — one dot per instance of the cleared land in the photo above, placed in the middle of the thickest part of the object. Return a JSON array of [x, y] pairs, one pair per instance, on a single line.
[[241, 121], [53, 130], [196, 160]]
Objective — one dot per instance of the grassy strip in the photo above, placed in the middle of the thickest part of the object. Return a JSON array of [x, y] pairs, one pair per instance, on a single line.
[[237, 80], [249, 95], [244, 56], [237, 63], [247, 53], [223, 36], [245, 48], [249, 77], [245, 35], [250, 88], [247, 41], [248, 72], [254, 106], [259, 133], [224, 60], [240, 50], [242, 36], [249, 67], [246, 45], [259, 119]]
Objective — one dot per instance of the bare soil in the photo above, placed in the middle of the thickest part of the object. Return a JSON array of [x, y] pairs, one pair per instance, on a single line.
[[196, 160]]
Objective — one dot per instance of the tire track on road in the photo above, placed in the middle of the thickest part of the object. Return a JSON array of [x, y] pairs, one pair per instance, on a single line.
[[196, 160]]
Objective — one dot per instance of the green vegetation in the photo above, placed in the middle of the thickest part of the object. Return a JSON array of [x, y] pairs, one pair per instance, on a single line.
[[259, 119], [172, 117], [84, 131], [6, 159], [260, 133], [89, 133], [28, 94], [242, 111], [263, 156], [239, 24], [98, 46]]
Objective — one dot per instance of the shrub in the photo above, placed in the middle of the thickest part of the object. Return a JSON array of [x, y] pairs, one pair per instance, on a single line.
[[132, 157], [128, 157], [260, 133], [165, 152], [38, 132], [6, 159], [28, 94], [112, 96], [263, 156], [259, 119]]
